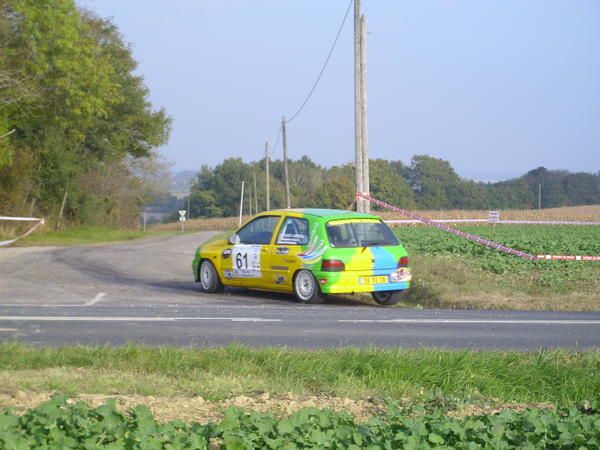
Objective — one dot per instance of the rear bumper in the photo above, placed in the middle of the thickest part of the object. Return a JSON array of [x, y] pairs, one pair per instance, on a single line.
[[353, 281]]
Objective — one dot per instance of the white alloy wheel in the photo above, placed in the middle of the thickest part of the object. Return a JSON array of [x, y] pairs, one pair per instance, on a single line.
[[209, 280], [306, 288], [206, 276]]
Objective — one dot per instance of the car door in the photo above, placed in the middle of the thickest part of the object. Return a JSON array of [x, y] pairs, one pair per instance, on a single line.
[[246, 262], [292, 236]]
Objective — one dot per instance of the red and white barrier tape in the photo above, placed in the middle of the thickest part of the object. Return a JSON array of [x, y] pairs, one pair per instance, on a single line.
[[472, 237], [568, 258], [546, 222], [39, 223], [499, 222]]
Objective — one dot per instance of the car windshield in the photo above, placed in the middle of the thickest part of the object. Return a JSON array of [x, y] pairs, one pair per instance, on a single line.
[[359, 233]]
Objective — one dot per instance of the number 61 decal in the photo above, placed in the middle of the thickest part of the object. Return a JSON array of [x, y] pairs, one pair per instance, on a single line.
[[241, 260], [246, 261]]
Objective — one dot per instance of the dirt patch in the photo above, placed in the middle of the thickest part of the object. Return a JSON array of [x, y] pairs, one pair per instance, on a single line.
[[488, 410], [197, 409]]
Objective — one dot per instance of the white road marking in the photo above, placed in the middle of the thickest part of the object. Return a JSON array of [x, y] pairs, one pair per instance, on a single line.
[[128, 319], [7, 329], [45, 305], [478, 321], [96, 299], [258, 319]]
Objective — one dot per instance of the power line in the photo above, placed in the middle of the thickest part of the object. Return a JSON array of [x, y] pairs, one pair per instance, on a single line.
[[277, 141], [324, 65]]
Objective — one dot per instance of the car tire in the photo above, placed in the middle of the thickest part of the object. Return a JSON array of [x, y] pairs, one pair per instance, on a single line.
[[306, 288], [208, 277], [387, 298]]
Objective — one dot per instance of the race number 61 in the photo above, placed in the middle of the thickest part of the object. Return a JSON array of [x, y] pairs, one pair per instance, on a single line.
[[241, 260]]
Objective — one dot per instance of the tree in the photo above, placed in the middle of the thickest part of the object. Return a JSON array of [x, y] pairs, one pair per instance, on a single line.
[[435, 185], [430, 179], [512, 194], [306, 179], [337, 192], [553, 194], [79, 112], [388, 185], [582, 189], [467, 194]]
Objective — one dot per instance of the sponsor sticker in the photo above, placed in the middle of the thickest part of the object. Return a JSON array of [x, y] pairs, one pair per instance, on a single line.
[[401, 275]]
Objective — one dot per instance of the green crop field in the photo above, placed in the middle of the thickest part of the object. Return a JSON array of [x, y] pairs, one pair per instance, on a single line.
[[58, 424], [448, 266]]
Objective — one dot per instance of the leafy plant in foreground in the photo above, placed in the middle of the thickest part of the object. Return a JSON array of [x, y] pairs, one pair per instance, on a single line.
[[59, 424]]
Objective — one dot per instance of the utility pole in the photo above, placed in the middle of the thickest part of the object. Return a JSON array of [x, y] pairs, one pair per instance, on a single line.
[[241, 204], [255, 195], [358, 152], [539, 195], [267, 170], [285, 163], [363, 112], [250, 200], [62, 208]]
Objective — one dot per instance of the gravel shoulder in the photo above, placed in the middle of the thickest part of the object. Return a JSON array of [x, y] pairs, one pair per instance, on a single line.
[[197, 409]]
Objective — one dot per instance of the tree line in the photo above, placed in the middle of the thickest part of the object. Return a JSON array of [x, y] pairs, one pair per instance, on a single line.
[[426, 183], [77, 130]]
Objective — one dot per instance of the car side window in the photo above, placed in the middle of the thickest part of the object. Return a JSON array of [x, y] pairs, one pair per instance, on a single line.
[[258, 231], [294, 231]]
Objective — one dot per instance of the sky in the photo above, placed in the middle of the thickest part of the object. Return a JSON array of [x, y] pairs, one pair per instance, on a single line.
[[496, 87]]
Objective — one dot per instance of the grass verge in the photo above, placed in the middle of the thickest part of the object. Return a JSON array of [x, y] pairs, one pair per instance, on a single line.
[[560, 377], [451, 282]]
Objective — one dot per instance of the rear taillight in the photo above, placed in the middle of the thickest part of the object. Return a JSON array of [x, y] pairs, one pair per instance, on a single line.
[[403, 262], [332, 265]]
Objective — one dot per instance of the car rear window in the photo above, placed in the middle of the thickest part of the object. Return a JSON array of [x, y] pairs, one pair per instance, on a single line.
[[359, 233]]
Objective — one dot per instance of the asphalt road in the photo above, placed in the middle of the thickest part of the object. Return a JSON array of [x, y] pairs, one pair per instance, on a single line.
[[144, 292]]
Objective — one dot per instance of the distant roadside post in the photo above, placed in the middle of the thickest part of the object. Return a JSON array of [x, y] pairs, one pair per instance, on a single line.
[[182, 219]]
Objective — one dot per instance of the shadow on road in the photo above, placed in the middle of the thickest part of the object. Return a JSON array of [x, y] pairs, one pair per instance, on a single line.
[[283, 298], [190, 287]]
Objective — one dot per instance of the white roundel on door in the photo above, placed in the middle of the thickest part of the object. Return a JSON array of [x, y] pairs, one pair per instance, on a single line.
[[246, 261]]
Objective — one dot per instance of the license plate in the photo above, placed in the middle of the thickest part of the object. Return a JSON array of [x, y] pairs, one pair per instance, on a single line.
[[373, 280]]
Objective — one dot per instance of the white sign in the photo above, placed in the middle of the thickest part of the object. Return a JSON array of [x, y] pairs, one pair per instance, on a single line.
[[246, 261], [182, 215]]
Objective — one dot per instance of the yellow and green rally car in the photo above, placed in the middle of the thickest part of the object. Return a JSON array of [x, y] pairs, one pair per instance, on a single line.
[[310, 252]]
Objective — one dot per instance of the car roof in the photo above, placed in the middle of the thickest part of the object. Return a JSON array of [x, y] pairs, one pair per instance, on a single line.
[[326, 213]]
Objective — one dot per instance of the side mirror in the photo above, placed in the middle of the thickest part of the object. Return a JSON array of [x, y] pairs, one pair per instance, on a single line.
[[234, 239]]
